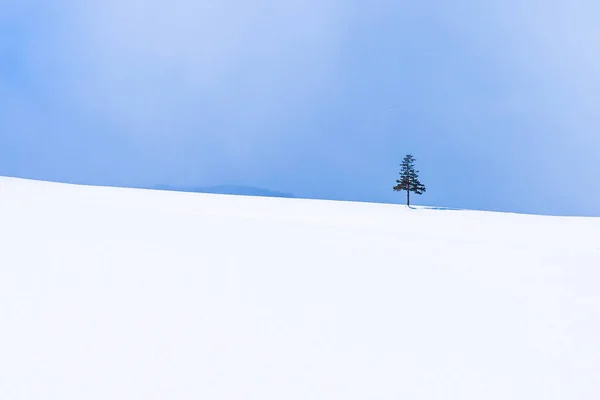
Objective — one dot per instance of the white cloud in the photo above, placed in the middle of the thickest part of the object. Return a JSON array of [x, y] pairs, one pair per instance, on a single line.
[[234, 78], [152, 67]]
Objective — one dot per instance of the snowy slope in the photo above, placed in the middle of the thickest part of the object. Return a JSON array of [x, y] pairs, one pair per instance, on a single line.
[[129, 294]]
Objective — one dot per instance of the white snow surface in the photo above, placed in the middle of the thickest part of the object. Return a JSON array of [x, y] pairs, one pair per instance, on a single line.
[[124, 294]]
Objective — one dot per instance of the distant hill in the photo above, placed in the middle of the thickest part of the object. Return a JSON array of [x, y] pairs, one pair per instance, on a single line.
[[226, 189]]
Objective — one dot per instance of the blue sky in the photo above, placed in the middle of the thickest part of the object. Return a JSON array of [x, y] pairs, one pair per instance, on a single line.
[[498, 101]]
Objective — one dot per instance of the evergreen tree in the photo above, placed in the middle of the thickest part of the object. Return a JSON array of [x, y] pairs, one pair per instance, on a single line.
[[409, 179]]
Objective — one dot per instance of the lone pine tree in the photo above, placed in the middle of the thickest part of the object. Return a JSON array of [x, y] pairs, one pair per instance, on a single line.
[[409, 179]]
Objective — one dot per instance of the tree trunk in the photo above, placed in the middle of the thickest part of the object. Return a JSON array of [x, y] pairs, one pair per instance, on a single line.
[[408, 198]]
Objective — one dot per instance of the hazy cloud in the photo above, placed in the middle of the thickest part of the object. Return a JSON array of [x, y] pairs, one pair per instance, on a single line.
[[242, 91], [158, 68]]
